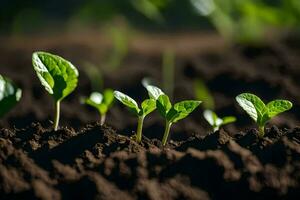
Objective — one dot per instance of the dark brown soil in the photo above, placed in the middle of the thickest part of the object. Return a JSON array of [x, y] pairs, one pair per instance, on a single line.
[[97, 162]]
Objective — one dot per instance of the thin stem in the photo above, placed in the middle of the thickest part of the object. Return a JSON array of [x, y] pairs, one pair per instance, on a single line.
[[215, 128], [139, 129], [57, 114], [166, 133], [261, 131], [102, 119]]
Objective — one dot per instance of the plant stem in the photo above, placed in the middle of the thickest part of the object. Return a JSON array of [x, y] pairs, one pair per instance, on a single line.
[[261, 131], [166, 133], [102, 119], [215, 128], [139, 129], [57, 114]]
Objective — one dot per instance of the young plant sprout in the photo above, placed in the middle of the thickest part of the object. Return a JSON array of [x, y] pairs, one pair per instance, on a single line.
[[216, 122], [9, 95], [260, 112], [173, 114], [57, 75], [147, 107], [101, 102]]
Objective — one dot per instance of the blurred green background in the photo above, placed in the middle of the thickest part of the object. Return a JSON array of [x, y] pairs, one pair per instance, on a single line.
[[238, 20]]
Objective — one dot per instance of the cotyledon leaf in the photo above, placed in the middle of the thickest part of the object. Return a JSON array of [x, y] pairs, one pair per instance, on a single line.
[[9, 95], [163, 105], [127, 101], [182, 109], [154, 92], [252, 104], [278, 106], [57, 75], [210, 116], [148, 106]]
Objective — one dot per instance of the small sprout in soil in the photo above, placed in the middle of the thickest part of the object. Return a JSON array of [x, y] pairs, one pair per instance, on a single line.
[[260, 112], [147, 106], [9, 95], [57, 75], [216, 122], [101, 102], [173, 114]]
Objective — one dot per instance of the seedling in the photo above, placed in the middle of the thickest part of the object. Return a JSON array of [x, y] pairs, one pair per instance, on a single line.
[[216, 122], [260, 112], [147, 107], [10, 94], [57, 75], [101, 102], [172, 114]]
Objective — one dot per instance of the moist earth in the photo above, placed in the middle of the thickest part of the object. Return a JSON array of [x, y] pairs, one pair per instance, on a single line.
[[98, 163]]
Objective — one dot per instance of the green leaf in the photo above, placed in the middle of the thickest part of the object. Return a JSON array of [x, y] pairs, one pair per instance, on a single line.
[[187, 106], [96, 98], [253, 105], [154, 92], [9, 95], [108, 97], [127, 101], [211, 117], [228, 119], [278, 106], [163, 105], [57, 75], [182, 109], [260, 112], [148, 106]]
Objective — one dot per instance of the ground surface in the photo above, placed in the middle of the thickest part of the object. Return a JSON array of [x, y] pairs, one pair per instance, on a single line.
[[90, 161]]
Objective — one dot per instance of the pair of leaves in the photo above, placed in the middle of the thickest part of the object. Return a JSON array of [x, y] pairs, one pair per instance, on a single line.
[[216, 122], [177, 112], [10, 94], [171, 113], [258, 110], [147, 105], [57, 75], [102, 102]]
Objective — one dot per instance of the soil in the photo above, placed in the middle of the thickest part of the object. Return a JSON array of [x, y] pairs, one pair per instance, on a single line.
[[98, 163], [83, 161]]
